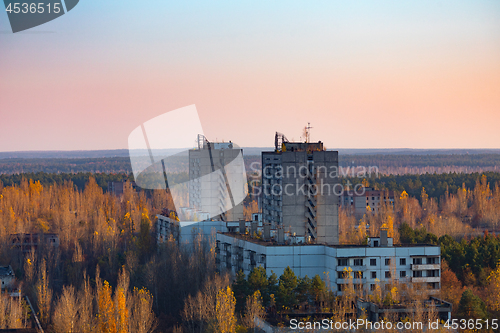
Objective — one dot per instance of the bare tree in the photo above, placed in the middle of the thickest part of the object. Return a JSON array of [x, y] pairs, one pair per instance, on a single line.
[[143, 318], [66, 312], [43, 294], [253, 309], [86, 318]]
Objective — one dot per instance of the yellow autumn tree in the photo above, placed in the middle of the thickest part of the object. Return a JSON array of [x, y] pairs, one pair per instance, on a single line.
[[390, 226], [106, 318], [122, 301], [43, 294], [224, 311], [494, 289], [143, 319], [253, 309], [122, 313]]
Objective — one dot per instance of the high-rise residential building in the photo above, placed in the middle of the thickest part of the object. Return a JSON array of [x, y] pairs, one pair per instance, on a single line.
[[300, 190], [217, 179]]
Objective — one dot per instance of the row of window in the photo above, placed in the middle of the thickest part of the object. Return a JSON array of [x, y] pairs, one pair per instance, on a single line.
[[388, 274], [373, 262], [357, 286]]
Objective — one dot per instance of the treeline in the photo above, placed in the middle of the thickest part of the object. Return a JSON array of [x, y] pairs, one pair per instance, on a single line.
[[80, 179], [386, 163], [436, 185], [65, 165], [421, 161]]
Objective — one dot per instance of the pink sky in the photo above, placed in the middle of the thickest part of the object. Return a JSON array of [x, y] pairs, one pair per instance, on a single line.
[[410, 84]]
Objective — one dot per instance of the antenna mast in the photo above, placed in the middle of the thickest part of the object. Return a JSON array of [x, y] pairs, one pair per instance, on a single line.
[[308, 132]]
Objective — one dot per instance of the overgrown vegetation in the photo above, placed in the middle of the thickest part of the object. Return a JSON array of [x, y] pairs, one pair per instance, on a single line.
[[108, 273]]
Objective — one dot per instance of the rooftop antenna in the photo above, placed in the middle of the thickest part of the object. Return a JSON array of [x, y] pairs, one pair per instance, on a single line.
[[308, 132]]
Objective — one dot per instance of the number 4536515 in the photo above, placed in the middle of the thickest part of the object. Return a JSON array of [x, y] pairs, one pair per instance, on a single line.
[[471, 324], [33, 8]]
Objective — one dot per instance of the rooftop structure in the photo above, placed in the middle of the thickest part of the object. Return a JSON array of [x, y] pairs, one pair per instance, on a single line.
[[7, 277], [375, 312]]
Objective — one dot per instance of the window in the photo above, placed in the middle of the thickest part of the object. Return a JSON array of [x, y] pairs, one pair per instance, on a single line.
[[402, 261], [341, 275], [433, 260], [373, 262], [372, 287], [373, 275], [387, 274], [358, 262], [417, 261], [358, 275], [342, 262], [433, 285], [358, 286], [340, 287], [417, 273], [402, 274], [387, 262], [375, 243], [433, 273]]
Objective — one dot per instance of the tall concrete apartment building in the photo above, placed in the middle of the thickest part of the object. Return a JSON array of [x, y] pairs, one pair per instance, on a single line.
[[299, 182], [216, 179]]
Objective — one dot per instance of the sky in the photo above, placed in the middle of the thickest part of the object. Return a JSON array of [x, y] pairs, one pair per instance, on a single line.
[[365, 74]]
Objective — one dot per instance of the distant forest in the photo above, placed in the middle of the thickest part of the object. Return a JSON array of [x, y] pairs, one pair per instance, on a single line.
[[386, 163], [435, 185]]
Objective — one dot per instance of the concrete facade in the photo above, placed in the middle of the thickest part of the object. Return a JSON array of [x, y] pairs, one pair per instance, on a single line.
[[368, 200], [215, 174], [185, 233], [299, 191], [415, 264]]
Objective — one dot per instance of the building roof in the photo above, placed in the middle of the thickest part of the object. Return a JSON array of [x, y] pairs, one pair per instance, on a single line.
[[5, 271], [274, 243]]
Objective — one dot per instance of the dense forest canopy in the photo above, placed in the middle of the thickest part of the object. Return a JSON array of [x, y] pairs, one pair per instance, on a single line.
[[386, 163], [108, 261], [435, 185]]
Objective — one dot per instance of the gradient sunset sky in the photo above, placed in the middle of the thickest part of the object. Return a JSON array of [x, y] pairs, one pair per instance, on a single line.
[[366, 74]]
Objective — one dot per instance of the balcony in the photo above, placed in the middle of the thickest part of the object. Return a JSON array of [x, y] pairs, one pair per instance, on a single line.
[[425, 267], [425, 279]]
